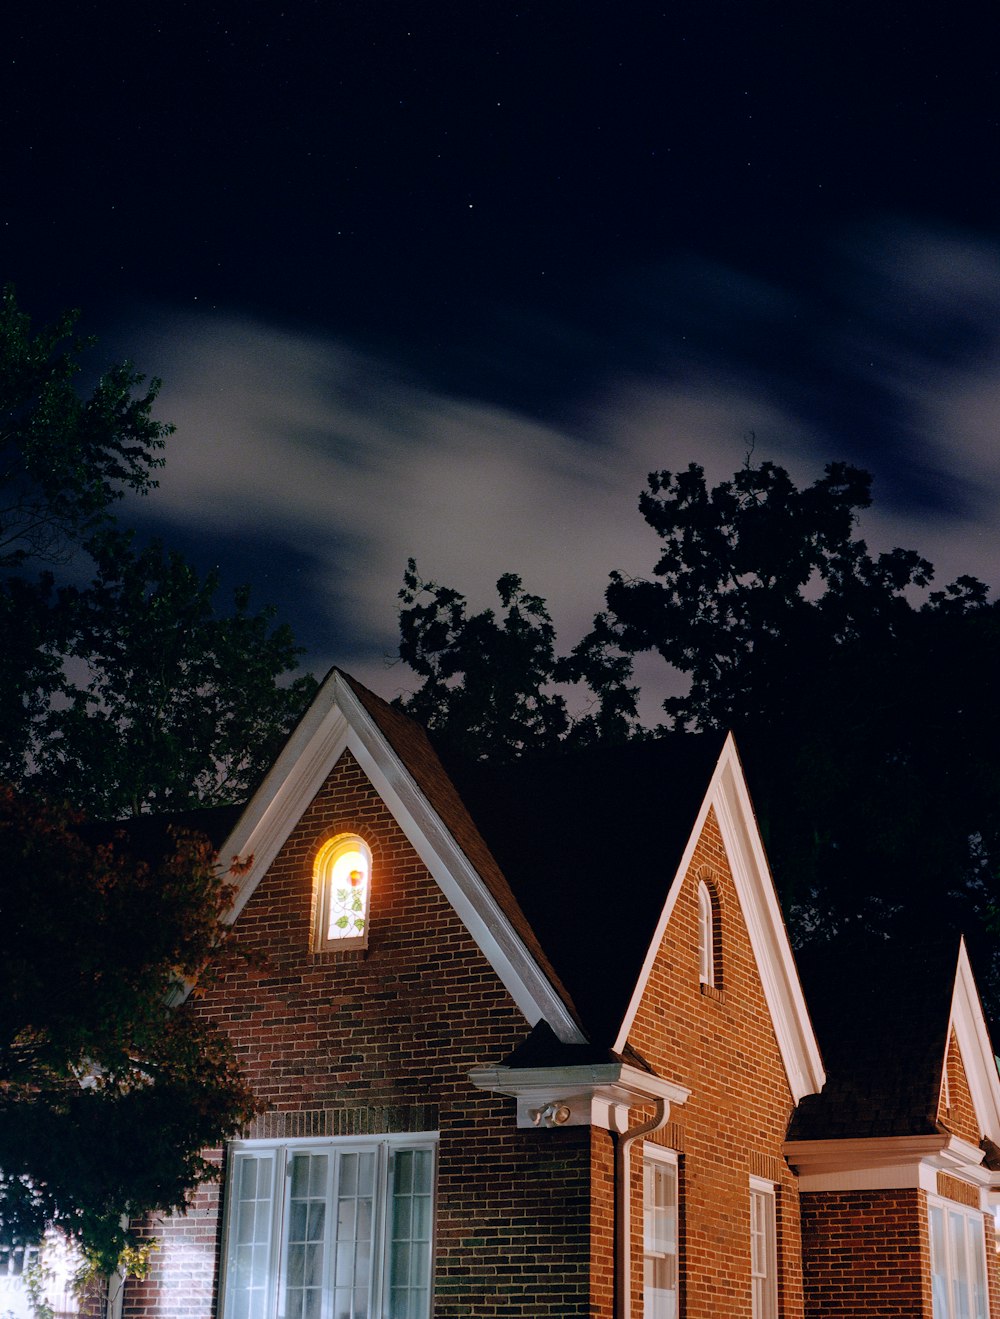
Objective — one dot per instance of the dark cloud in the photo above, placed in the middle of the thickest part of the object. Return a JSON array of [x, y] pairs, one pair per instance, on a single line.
[[332, 466]]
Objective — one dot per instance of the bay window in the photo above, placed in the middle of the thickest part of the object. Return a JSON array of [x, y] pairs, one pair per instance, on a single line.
[[335, 1229]]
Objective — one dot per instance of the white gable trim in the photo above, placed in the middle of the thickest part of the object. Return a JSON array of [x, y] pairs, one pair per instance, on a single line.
[[728, 794], [969, 1024], [337, 721]]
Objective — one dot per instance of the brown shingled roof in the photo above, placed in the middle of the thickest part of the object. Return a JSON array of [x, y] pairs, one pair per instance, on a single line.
[[411, 743], [881, 1017], [579, 849]]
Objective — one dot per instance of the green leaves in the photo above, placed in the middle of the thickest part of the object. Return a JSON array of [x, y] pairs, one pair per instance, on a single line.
[[65, 459], [489, 684], [178, 704], [107, 1095]]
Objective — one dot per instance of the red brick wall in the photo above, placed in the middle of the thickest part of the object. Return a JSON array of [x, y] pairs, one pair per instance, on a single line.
[[866, 1253], [958, 1114], [723, 1047], [381, 1039]]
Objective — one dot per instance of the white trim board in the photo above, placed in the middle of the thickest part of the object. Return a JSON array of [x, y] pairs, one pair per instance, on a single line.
[[337, 721]]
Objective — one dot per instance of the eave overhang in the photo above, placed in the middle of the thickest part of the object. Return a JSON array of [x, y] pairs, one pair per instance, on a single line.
[[338, 721], [888, 1162], [578, 1095]]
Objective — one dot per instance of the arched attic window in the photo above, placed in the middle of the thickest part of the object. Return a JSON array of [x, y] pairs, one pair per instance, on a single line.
[[709, 934], [343, 873]]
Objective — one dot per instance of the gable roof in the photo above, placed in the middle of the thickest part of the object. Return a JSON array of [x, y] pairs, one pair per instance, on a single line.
[[589, 842], [396, 755], [564, 870], [884, 1015]]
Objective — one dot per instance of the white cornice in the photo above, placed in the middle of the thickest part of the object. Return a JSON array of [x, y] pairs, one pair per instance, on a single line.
[[592, 1094], [728, 794], [336, 721], [887, 1162]]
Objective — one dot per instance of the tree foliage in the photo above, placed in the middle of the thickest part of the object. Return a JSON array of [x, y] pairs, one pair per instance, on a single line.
[[139, 690], [65, 458], [488, 682], [133, 692], [863, 700], [108, 1095], [177, 704]]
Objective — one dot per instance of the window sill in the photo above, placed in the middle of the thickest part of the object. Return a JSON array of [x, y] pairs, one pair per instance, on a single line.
[[713, 991]]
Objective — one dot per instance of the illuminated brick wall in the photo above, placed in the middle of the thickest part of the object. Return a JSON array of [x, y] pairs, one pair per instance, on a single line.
[[722, 1045], [383, 1039]]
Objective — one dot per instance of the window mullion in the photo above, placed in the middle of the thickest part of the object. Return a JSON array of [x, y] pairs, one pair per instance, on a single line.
[[330, 1243], [380, 1234], [282, 1190]]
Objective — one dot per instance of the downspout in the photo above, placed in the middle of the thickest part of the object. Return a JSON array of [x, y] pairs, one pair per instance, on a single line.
[[115, 1295], [623, 1208]]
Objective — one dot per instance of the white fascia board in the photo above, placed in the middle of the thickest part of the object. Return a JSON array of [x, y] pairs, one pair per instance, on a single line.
[[766, 927], [974, 1043], [598, 1094], [461, 884], [336, 721], [290, 785], [885, 1162], [728, 794]]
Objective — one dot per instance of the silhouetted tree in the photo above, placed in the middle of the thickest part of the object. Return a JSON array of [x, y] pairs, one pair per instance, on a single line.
[[863, 701], [139, 691], [488, 685], [108, 1095]]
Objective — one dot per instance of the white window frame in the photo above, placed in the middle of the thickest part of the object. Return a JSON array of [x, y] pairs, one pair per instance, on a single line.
[[763, 1249], [706, 935], [656, 1157], [323, 865], [384, 1148], [969, 1255]]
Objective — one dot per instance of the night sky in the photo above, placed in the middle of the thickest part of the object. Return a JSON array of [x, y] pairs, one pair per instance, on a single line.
[[448, 279]]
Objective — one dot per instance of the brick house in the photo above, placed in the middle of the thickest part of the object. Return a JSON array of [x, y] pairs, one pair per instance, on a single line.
[[532, 1042]]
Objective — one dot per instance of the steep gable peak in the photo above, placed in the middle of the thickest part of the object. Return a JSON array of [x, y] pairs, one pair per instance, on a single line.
[[398, 759], [728, 798], [967, 1027]]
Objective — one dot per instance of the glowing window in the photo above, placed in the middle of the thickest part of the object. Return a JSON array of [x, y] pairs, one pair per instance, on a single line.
[[343, 879]]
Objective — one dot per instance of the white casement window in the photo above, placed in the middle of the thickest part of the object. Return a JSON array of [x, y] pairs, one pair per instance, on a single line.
[[958, 1261], [659, 1233], [336, 1229], [763, 1250], [706, 935]]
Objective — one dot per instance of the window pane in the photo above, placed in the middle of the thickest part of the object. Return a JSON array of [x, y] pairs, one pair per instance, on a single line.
[[939, 1273], [355, 1230], [352, 1275], [764, 1283], [410, 1235], [958, 1263], [977, 1259], [305, 1244], [248, 1268], [347, 895], [659, 1203], [960, 1289]]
